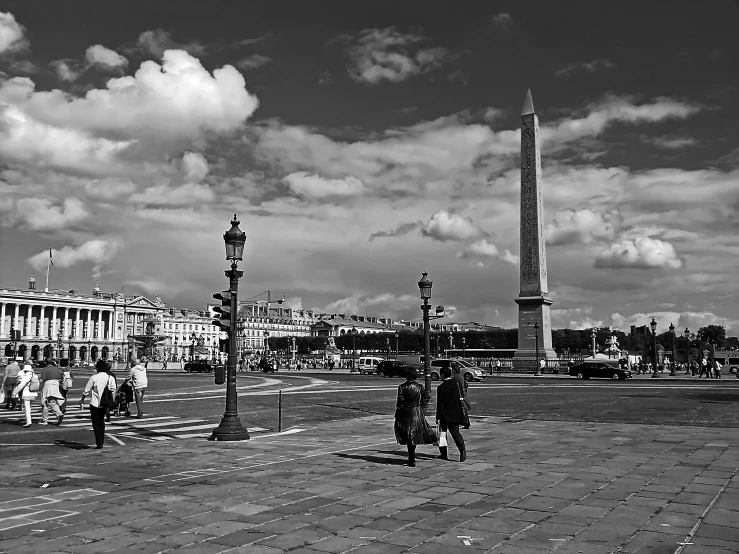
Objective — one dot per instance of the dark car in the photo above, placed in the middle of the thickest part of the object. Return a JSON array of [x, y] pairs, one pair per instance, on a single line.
[[394, 368], [606, 369], [201, 366]]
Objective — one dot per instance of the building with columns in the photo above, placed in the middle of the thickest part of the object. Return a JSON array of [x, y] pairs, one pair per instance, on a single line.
[[257, 321], [69, 324]]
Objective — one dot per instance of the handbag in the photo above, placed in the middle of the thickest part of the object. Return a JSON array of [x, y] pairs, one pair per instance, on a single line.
[[463, 406], [106, 399], [441, 443], [2, 395]]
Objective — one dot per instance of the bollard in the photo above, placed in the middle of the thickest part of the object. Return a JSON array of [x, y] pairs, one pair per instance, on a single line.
[[279, 412]]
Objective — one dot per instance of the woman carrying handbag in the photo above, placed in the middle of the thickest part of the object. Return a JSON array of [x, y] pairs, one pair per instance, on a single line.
[[411, 427], [100, 387], [451, 412]]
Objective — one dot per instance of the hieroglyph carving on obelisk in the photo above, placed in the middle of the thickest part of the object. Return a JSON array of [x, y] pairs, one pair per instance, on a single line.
[[534, 322], [533, 250]]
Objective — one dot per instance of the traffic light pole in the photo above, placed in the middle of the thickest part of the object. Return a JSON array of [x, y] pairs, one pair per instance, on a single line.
[[230, 428]]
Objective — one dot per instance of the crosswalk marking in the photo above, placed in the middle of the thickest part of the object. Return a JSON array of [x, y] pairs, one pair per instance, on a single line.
[[153, 428]]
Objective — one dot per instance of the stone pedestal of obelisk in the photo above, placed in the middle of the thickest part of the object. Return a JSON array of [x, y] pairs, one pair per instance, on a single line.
[[533, 301]]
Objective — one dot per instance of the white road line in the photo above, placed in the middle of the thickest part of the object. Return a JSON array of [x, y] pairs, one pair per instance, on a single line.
[[115, 439], [145, 425], [191, 428]]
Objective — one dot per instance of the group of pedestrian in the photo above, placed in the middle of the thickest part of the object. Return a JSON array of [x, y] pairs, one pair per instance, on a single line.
[[21, 385], [411, 427]]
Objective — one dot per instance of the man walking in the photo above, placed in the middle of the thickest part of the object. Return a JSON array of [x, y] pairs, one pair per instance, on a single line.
[[140, 382], [449, 412], [51, 395], [10, 380]]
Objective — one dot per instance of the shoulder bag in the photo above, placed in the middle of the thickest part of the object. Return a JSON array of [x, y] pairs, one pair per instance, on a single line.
[[106, 399], [463, 407]]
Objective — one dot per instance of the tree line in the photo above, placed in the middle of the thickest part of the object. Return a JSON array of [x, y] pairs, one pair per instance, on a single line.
[[563, 340]]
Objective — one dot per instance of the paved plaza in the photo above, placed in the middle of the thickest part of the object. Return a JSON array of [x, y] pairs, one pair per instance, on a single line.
[[527, 487]]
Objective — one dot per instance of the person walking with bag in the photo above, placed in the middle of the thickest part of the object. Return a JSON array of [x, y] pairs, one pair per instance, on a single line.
[[10, 380], [25, 390], [51, 396], [140, 382], [451, 412], [411, 427], [100, 388]]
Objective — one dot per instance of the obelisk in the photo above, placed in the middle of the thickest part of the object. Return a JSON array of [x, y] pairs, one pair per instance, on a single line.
[[533, 301]]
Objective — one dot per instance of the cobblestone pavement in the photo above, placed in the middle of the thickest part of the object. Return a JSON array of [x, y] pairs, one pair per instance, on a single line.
[[527, 487]]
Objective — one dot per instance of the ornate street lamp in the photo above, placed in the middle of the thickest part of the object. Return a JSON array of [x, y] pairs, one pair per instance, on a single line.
[[354, 347], [295, 348], [387, 346], [464, 347], [674, 354], [230, 427], [653, 326], [687, 340], [424, 286], [451, 342], [266, 344], [536, 336], [397, 335], [592, 341]]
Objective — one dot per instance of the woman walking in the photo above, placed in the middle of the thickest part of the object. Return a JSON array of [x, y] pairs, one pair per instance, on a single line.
[[23, 391], [411, 427], [449, 398], [95, 387]]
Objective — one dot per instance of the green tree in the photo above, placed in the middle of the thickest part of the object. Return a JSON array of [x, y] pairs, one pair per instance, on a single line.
[[714, 334]]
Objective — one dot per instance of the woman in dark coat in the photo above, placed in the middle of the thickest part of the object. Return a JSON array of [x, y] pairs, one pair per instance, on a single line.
[[411, 427]]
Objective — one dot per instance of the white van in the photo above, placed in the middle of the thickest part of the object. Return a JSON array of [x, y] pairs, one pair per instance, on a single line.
[[368, 364]]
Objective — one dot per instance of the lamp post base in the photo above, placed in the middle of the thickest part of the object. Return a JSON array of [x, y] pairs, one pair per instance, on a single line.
[[655, 375], [230, 429]]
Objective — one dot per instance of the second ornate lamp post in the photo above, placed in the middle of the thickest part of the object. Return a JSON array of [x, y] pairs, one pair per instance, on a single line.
[[674, 354], [397, 335], [464, 347], [230, 428], [653, 326], [354, 348], [687, 349], [424, 285], [536, 333]]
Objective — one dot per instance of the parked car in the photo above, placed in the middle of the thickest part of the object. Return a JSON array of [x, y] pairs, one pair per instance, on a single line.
[[368, 364], [393, 368], [201, 366], [607, 369], [469, 372]]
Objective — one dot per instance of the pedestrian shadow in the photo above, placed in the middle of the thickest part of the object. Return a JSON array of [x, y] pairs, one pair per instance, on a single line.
[[374, 459], [71, 444], [404, 455]]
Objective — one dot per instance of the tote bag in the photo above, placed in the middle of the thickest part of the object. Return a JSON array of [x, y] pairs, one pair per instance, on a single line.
[[106, 399]]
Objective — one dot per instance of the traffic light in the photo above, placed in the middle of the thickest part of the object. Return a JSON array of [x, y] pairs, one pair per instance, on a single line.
[[224, 321]]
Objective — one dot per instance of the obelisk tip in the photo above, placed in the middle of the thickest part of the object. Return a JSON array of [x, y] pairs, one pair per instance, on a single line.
[[528, 104]]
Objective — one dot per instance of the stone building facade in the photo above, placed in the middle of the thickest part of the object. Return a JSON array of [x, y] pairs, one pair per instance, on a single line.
[[70, 324]]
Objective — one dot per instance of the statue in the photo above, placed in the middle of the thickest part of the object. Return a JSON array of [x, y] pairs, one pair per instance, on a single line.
[[331, 343]]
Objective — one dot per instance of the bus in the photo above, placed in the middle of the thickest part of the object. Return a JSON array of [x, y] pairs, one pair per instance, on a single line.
[[727, 358]]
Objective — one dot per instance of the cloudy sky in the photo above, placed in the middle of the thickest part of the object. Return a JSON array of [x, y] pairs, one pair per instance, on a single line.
[[360, 147]]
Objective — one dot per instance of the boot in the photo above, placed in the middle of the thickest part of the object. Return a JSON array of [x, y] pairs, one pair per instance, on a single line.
[[443, 453], [412, 456], [462, 455]]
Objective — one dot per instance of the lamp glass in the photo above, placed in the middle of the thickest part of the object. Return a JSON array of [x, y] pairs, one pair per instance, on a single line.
[[653, 325], [235, 240], [424, 285], [672, 328]]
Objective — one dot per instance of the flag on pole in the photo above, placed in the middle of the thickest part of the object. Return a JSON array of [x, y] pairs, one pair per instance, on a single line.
[[50, 258]]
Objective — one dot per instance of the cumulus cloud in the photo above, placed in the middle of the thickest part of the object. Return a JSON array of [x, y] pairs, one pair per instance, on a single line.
[[12, 34], [315, 186], [164, 195], [670, 143], [448, 226], [40, 214], [591, 66], [194, 167], [481, 248], [387, 55], [252, 62], [158, 41], [67, 70], [160, 106], [97, 252], [503, 20], [24, 67], [583, 226], [359, 304], [100, 56], [690, 319], [400, 230], [110, 188], [508, 256], [641, 253]]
